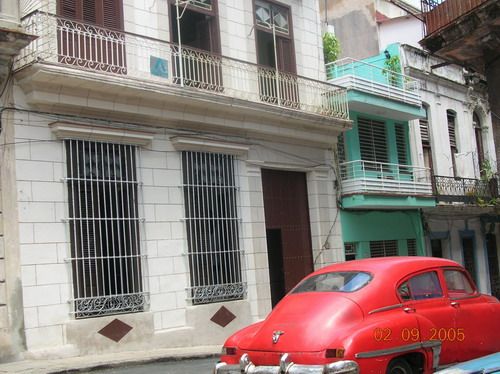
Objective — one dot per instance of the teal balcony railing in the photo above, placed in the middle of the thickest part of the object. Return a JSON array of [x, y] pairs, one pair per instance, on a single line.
[[369, 78]]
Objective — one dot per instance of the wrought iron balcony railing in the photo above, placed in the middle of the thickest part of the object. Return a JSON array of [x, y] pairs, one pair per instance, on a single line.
[[365, 77], [93, 48], [439, 13], [384, 178], [465, 190]]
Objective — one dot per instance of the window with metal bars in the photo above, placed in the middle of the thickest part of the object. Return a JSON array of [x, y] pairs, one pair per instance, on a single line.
[[212, 225], [350, 251], [383, 248], [411, 244], [372, 141], [341, 148], [104, 227]]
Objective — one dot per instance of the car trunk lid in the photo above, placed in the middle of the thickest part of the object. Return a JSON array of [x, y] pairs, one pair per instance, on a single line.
[[304, 323]]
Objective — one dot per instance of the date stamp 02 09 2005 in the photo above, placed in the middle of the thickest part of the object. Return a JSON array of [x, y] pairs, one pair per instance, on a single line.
[[381, 334]]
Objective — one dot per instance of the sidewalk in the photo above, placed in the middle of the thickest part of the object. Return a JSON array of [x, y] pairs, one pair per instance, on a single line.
[[87, 363]]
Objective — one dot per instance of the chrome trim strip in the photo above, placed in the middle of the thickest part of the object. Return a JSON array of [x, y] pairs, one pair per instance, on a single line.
[[385, 308], [400, 349]]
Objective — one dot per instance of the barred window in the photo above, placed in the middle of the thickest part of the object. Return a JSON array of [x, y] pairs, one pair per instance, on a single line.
[[350, 251], [104, 228], [383, 248], [412, 247], [210, 194]]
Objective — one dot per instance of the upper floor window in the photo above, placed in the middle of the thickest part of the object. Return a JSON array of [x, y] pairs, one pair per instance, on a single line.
[[425, 137], [372, 142], [274, 49], [200, 65], [88, 36], [106, 13], [268, 15], [478, 132], [451, 119]]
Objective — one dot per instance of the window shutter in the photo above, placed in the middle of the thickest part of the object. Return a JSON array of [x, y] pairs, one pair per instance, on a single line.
[[451, 129], [372, 140], [401, 144], [106, 13], [111, 13], [89, 11], [67, 8], [424, 133]]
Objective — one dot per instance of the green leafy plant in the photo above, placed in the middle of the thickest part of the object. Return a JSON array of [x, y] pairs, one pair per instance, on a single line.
[[331, 47], [392, 68]]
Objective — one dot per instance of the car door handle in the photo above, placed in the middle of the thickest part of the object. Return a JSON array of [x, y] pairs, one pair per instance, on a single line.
[[455, 304], [409, 310]]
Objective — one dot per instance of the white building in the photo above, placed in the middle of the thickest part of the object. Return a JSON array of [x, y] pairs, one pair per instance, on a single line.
[[455, 141], [157, 193]]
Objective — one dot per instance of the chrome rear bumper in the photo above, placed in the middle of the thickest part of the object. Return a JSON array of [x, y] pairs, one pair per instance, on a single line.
[[286, 367]]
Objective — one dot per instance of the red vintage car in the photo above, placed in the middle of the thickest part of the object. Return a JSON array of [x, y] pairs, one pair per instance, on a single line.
[[382, 315]]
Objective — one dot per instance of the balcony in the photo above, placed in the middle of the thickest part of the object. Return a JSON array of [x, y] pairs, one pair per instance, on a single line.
[[462, 31], [440, 13], [465, 190], [375, 90], [167, 67], [361, 177]]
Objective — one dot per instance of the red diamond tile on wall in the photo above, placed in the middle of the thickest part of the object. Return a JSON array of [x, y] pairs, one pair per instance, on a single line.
[[115, 330], [223, 317]]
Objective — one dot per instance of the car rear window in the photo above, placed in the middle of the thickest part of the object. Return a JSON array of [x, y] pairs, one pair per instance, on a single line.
[[348, 281]]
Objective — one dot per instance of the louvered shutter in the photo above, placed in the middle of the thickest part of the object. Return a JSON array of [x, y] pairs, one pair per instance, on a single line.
[[424, 133], [451, 129], [106, 13], [89, 11], [372, 140], [112, 14], [68, 8], [401, 144]]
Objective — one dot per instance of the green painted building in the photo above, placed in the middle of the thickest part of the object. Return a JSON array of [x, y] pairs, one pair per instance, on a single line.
[[381, 189]]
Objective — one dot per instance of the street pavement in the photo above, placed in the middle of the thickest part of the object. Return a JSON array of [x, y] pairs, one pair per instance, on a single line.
[[191, 360], [184, 366]]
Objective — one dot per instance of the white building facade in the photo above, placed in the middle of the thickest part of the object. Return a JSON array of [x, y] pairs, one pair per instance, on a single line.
[[166, 172], [455, 141]]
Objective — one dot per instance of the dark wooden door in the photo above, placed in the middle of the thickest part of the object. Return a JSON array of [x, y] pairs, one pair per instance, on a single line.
[[288, 229]]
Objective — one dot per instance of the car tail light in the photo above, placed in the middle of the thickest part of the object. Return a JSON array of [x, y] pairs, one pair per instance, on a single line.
[[335, 353], [228, 351]]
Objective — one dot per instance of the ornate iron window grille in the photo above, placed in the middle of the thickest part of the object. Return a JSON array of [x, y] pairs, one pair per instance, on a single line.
[[104, 228], [212, 225]]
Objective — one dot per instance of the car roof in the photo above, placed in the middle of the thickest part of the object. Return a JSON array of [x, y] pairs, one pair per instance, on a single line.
[[387, 272], [398, 266]]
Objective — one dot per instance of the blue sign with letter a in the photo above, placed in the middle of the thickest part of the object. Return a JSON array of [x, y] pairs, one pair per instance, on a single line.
[[158, 66]]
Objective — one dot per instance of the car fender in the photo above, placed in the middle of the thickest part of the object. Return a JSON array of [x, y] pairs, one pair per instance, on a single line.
[[380, 338]]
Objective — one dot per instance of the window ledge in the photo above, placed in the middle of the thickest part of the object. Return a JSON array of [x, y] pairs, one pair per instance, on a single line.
[[181, 143], [68, 130]]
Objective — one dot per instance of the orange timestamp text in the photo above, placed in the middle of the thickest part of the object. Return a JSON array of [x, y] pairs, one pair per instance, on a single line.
[[452, 334]]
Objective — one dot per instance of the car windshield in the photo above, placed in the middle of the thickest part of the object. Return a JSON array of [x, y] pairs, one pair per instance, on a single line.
[[347, 281]]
